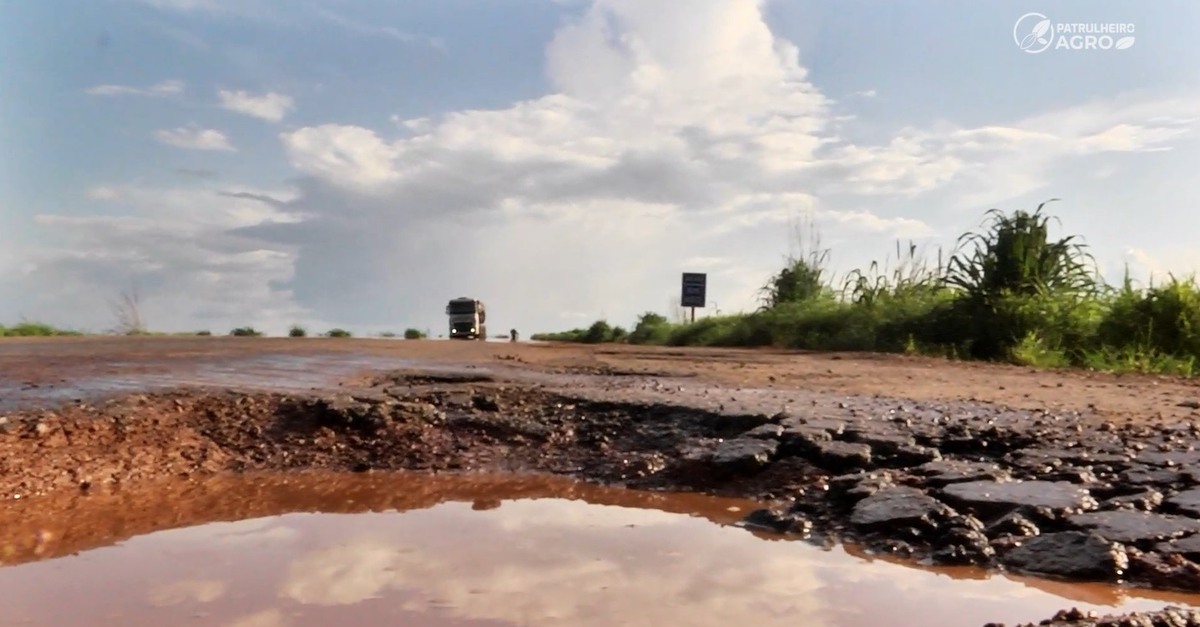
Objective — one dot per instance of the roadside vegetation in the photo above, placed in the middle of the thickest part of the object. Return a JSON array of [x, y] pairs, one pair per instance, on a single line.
[[34, 329], [1008, 292]]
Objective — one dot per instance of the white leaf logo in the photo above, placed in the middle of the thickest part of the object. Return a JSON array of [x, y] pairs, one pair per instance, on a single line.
[[1124, 43], [1040, 30], [1037, 35]]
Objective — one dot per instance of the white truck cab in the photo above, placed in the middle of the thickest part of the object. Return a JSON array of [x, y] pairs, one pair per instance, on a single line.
[[468, 319]]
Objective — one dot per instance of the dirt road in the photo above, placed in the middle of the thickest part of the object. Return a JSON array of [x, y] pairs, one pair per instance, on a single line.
[[55, 369], [1076, 475]]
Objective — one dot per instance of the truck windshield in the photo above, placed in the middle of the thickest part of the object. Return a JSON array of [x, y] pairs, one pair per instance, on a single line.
[[462, 308]]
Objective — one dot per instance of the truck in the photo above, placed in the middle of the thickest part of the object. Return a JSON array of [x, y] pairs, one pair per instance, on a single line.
[[468, 319]]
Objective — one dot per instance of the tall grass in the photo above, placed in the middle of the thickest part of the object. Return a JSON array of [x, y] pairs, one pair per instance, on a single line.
[[1007, 292]]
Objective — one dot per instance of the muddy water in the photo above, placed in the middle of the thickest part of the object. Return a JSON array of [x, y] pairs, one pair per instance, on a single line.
[[480, 550]]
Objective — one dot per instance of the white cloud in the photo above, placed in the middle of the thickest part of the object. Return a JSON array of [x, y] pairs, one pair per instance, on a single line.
[[350, 155], [179, 246], [542, 562], [269, 106], [564, 563], [1145, 267], [378, 30], [195, 139], [160, 90], [253, 9], [103, 193], [191, 590], [184, 5], [264, 618], [669, 133]]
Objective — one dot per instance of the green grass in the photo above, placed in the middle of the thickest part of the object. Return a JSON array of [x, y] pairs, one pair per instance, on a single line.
[[600, 332], [35, 329], [1008, 292]]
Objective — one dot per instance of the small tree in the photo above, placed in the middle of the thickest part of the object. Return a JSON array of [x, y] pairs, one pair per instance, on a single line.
[[414, 334], [128, 312], [297, 331]]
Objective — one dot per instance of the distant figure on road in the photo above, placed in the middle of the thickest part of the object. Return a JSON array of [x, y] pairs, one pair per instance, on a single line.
[[513, 335]]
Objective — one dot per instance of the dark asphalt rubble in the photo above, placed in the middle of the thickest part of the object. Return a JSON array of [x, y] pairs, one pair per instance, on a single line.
[[1048, 496], [1167, 617]]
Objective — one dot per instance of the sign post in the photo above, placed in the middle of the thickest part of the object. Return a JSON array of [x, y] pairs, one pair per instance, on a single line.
[[695, 286]]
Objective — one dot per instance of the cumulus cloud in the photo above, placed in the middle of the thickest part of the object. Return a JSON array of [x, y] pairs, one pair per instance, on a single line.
[[191, 590], [269, 106], [1160, 265], [564, 563], [264, 618], [160, 90], [668, 134], [179, 245], [195, 139], [556, 562]]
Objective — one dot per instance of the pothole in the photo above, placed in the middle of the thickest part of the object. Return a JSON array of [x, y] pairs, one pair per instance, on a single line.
[[403, 548], [944, 486]]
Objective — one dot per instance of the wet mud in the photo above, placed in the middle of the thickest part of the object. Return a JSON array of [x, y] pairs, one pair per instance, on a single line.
[[1068, 495]]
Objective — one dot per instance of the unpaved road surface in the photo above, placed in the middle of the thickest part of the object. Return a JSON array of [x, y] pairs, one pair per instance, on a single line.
[[1080, 476], [33, 369]]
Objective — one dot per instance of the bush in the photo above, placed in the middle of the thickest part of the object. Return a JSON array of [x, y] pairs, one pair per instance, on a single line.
[[34, 329], [1009, 292], [245, 332], [337, 333], [414, 334], [297, 331], [651, 328]]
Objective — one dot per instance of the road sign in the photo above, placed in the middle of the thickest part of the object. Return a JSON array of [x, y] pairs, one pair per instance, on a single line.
[[694, 288]]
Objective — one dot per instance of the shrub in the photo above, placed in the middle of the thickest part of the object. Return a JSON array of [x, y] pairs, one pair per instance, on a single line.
[[245, 332], [297, 331], [600, 331], [338, 333], [414, 334]]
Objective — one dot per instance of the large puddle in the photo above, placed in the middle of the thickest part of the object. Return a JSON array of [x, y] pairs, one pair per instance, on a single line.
[[319, 549]]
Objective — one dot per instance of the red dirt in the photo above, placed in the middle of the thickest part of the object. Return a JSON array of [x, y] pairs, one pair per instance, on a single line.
[[90, 446], [51, 363]]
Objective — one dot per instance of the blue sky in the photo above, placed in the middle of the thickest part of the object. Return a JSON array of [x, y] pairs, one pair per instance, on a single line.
[[359, 162]]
